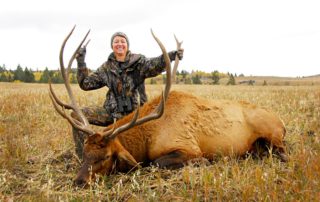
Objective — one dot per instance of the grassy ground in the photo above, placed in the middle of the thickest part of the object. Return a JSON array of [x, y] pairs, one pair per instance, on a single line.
[[37, 160]]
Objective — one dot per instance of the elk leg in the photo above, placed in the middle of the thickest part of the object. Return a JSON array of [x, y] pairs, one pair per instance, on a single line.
[[174, 160], [78, 138], [199, 161], [280, 151], [276, 142]]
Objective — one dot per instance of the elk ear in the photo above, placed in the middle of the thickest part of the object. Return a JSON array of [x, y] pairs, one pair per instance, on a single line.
[[123, 154], [127, 157]]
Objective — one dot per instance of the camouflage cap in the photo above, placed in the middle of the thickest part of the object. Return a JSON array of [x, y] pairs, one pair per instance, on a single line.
[[120, 34]]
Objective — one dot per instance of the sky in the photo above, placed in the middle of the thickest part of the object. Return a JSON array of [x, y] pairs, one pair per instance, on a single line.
[[252, 37]]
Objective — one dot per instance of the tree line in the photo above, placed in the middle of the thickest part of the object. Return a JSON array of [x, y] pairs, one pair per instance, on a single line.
[[27, 75], [199, 77]]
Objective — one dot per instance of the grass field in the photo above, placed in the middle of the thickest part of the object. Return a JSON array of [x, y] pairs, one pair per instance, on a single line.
[[38, 163]]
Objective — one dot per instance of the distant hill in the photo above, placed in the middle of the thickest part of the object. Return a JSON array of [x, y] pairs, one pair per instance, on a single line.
[[274, 80], [317, 75]]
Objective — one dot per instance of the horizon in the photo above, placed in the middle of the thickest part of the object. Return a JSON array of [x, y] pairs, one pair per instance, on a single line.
[[190, 72]]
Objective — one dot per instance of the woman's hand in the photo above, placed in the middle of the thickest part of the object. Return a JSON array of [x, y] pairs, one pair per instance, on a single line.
[[81, 55], [180, 53]]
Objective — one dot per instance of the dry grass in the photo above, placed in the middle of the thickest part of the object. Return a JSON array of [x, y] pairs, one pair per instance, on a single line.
[[37, 161]]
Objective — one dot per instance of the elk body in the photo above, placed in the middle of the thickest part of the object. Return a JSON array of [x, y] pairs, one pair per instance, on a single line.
[[181, 128], [190, 128]]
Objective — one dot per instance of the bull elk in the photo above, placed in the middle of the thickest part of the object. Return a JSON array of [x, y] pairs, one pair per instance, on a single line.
[[170, 130]]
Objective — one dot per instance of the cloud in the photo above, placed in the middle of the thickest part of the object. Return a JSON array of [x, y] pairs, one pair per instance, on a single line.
[[251, 37]]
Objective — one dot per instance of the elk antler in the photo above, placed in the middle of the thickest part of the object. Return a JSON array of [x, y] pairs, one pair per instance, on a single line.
[[83, 123], [158, 111], [176, 60]]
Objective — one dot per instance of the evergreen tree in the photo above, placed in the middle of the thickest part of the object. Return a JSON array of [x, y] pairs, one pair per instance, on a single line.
[[10, 78], [184, 74], [57, 77], [196, 79], [28, 76], [45, 76], [231, 81], [3, 77], [18, 74], [3, 68], [215, 77], [177, 73]]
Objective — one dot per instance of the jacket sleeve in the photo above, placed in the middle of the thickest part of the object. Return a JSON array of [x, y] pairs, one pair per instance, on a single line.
[[91, 81], [152, 67]]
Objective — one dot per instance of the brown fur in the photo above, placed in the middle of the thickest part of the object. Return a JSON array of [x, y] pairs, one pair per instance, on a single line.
[[190, 128]]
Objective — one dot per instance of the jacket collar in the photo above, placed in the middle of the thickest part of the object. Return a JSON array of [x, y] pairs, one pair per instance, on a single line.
[[129, 60], [112, 57]]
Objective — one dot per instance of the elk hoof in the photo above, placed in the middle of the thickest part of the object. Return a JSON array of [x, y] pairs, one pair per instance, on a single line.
[[284, 157]]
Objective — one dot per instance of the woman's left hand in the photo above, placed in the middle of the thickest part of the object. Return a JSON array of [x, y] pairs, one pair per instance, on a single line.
[[180, 53]]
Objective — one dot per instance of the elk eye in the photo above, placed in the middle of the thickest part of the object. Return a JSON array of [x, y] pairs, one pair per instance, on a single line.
[[96, 162]]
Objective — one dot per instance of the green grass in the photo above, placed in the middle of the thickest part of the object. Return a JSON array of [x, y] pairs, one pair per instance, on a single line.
[[38, 163]]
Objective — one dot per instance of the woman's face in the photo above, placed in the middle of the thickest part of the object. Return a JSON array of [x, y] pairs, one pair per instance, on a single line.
[[119, 46]]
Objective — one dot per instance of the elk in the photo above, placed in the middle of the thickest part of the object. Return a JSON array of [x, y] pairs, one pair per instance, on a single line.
[[170, 130]]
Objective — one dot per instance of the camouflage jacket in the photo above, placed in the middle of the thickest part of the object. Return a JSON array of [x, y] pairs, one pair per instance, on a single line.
[[124, 80]]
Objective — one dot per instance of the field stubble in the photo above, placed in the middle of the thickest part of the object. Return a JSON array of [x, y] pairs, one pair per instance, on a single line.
[[38, 163]]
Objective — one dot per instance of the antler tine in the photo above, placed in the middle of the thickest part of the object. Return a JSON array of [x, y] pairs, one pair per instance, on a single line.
[[77, 50], [106, 132], [157, 114], [75, 123], [62, 50], [168, 66], [160, 108], [86, 43], [176, 61], [66, 106], [82, 124], [65, 74], [112, 133]]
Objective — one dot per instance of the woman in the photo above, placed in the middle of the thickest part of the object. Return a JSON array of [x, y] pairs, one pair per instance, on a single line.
[[124, 74]]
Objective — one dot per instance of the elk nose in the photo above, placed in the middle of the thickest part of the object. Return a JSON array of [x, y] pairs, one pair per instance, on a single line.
[[80, 182]]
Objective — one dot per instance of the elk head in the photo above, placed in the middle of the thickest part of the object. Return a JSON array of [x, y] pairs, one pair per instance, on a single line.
[[102, 149]]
